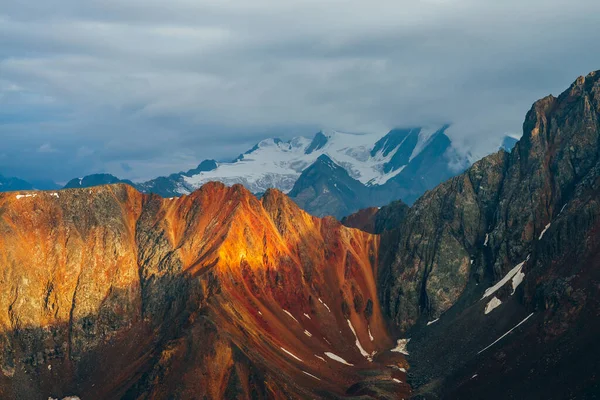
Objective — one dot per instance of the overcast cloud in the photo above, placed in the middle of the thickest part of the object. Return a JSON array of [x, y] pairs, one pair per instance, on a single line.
[[142, 88]]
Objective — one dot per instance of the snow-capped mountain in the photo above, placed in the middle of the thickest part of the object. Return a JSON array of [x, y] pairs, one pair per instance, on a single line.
[[364, 169], [372, 159], [409, 162]]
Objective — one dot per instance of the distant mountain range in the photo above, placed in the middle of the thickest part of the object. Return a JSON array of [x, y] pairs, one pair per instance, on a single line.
[[12, 184], [334, 173]]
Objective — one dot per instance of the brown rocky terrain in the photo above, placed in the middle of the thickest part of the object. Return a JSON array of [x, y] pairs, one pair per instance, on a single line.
[[109, 293]]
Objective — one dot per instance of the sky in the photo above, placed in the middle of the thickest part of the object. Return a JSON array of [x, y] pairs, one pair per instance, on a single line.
[[146, 88]]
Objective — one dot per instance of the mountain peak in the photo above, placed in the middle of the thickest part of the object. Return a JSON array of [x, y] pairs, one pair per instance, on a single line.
[[95, 180], [204, 166], [508, 143], [326, 160], [318, 142]]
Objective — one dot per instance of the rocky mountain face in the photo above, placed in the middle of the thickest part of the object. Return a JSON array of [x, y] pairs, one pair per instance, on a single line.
[[510, 244], [110, 293]]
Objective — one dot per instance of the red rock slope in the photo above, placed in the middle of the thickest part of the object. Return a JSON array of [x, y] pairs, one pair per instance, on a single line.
[[109, 293]]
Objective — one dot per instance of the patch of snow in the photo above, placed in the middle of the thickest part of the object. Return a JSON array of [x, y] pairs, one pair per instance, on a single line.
[[358, 345], [307, 316], [517, 280], [66, 398], [312, 376], [425, 136], [433, 322], [291, 354], [21, 196], [544, 231], [326, 306], [396, 380], [380, 180], [337, 358], [320, 358], [370, 336], [290, 314], [502, 337], [512, 273], [487, 238], [474, 376], [401, 346], [493, 303], [562, 209], [307, 333], [55, 195], [398, 368], [259, 313]]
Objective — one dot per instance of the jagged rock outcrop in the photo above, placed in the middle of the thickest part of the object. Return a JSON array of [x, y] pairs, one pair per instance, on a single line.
[[110, 293], [530, 215]]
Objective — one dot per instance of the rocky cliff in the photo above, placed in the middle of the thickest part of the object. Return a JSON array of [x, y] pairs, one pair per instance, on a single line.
[[109, 293], [514, 237]]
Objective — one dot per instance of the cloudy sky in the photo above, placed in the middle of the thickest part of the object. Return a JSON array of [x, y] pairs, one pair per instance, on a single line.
[[140, 88]]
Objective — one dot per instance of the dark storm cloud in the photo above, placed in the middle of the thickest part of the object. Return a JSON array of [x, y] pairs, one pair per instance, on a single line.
[[141, 88]]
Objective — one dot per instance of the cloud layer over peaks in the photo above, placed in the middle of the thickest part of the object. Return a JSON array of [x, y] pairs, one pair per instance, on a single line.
[[142, 88]]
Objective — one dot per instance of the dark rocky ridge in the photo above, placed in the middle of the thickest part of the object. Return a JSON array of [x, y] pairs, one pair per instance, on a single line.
[[466, 234], [95, 180]]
